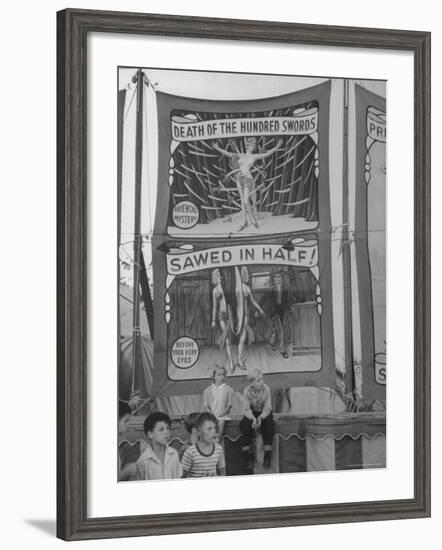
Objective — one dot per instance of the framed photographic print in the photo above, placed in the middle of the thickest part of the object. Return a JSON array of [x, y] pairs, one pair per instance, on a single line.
[[240, 241]]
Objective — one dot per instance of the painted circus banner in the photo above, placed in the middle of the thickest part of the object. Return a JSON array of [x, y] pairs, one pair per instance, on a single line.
[[370, 243], [376, 125], [241, 244], [302, 253], [189, 128]]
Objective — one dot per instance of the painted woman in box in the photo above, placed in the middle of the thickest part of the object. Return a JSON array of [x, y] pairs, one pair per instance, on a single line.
[[220, 317], [246, 336]]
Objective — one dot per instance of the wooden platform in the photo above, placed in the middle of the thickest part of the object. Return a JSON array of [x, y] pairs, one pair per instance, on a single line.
[[301, 443]]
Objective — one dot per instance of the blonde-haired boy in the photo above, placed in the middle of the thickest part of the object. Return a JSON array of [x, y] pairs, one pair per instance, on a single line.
[[257, 414]]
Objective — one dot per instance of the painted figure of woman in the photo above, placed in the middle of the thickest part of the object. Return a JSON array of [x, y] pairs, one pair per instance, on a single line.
[[220, 316], [242, 163], [246, 336]]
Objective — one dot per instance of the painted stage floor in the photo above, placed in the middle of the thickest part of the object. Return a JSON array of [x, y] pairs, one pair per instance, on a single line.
[[269, 361], [229, 226]]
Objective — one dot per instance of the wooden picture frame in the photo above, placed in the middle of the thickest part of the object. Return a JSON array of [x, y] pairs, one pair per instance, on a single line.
[[73, 28]]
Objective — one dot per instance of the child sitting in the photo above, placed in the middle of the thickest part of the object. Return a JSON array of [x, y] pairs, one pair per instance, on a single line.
[[217, 398], [159, 461], [257, 414], [206, 457]]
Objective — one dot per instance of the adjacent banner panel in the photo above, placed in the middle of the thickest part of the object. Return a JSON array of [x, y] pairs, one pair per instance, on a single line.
[[241, 244], [370, 240]]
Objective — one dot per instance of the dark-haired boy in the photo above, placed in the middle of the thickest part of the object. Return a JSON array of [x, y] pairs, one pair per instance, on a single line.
[[159, 461]]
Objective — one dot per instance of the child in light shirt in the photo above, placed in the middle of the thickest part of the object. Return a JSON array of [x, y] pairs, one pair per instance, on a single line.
[[159, 461], [217, 398]]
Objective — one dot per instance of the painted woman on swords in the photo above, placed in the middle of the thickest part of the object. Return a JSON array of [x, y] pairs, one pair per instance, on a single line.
[[242, 163]]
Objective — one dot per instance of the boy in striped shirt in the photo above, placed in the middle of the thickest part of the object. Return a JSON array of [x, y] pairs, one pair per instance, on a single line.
[[206, 457]]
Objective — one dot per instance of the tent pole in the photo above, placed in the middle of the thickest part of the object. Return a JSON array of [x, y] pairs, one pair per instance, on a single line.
[[147, 298], [348, 323], [120, 125], [139, 79]]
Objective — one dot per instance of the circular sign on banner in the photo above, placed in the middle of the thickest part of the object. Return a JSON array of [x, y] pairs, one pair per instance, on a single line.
[[185, 352], [185, 215]]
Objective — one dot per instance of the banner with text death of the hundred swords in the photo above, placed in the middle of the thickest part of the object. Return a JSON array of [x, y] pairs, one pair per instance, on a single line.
[[241, 243]]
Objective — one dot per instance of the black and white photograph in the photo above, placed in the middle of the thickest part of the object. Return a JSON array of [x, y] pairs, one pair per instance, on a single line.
[[219, 216], [252, 273]]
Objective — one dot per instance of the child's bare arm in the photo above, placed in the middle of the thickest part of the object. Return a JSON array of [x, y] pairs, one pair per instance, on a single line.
[[221, 464], [247, 408], [205, 404], [128, 472], [267, 409], [229, 402], [139, 471], [186, 463]]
